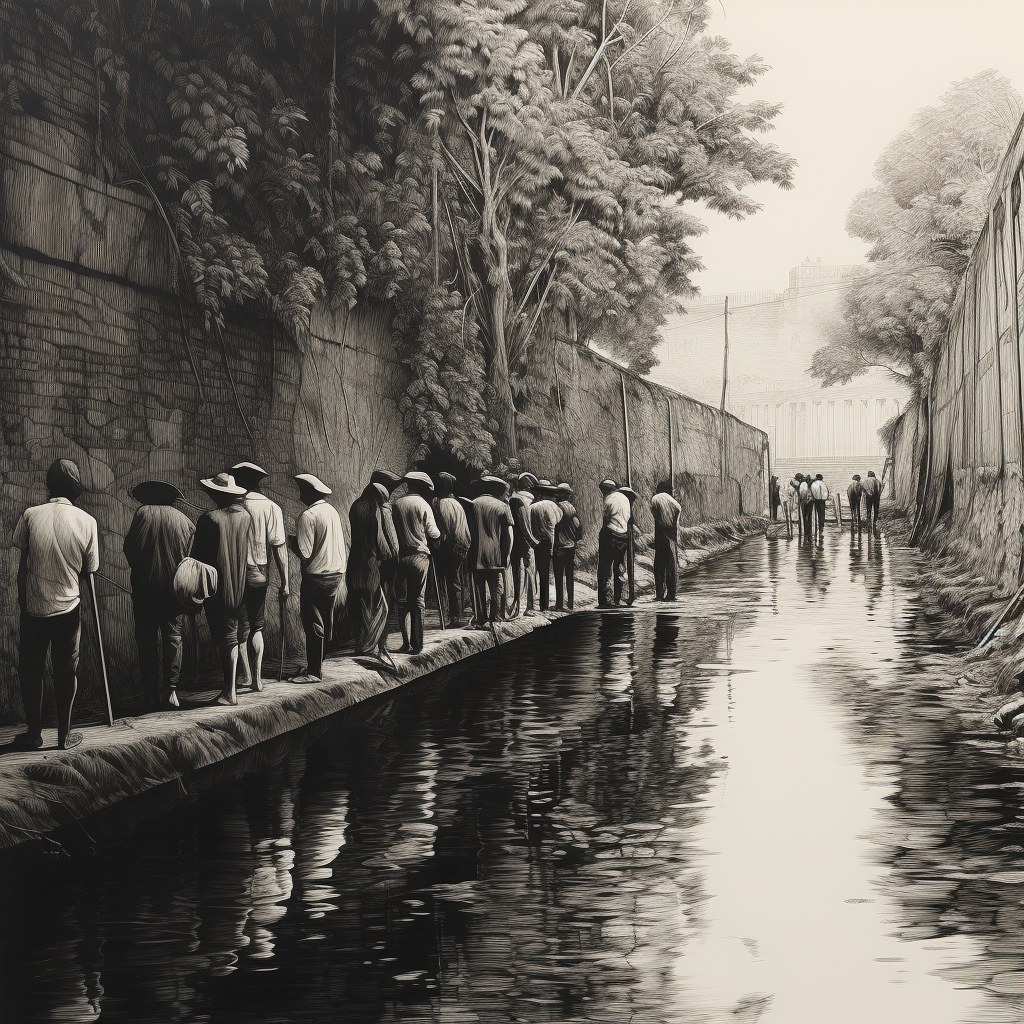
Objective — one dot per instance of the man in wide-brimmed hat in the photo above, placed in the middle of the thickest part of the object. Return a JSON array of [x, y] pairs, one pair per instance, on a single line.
[[268, 537], [59, 545], [157, 540], [613, 542], [491, 528], [372, 545], [222, 540], [544, 517], [417, 535], [567, 534], [524, 543], [321, 547], [666, 511], [455, 544]]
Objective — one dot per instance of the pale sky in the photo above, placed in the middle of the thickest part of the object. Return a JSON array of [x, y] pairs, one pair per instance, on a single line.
[[851, 75]]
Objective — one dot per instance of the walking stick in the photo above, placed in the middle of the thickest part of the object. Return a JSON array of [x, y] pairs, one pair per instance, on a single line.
[[99, 641], [437, 590], [281, 602], [630, 554]]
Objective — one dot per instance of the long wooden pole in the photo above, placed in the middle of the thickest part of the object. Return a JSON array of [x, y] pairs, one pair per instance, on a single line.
[[671, 449], [725, 385], [625, 430], [99, 642]]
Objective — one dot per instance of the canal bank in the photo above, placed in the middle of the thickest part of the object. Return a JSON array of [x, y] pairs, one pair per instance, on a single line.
[[43, 791]]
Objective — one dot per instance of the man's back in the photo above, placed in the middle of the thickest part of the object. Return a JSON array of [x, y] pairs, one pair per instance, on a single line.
[[157, 541], [544, 517], [268, 526], [819, 490], [872, 486], [222, 540], [321, 542], [854, 491], [616, 512], [414, 524], [451, 521], [492, 519], [665, 510]]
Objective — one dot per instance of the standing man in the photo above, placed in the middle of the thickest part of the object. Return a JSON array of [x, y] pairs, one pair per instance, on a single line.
[[632, 497], [417, 532], [371, 547], [853, 495], [59, 545], [158, 539], [612, 542], [268, 535], [491, 527], [222, 540], [872, 499], [321, 547], [455, 543], [807, 506], [774, 499], [388, 569], [819, 495], [567, 534], [788, 495], [544, 517], [524, 542], [666, 511]]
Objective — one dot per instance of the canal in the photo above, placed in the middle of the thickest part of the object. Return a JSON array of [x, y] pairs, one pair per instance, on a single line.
[[758, 804]]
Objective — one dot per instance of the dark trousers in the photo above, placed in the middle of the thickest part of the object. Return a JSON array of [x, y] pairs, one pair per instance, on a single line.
[[60, 635], [819, 513], [871, 502], [611, 557], [153, 619], [543, 553], [449, 565], [488, 582], [318, 598], [855, 512], [666, 564], [775, 511], [564, 560], [807, 513], [523, 563]]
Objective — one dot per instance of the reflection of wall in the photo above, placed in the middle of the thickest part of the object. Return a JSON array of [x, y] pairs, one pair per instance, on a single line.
[[772, 338]]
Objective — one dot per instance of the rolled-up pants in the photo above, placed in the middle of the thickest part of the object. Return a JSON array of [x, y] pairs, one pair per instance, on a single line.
[[60, 635], [666, 564], [611, 556], [154, 618], [318, 597]]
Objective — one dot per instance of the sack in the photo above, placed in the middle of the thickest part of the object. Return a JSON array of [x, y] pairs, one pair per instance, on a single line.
[[194, 582]]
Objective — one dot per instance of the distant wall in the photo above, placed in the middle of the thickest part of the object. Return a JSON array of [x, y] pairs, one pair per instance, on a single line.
[[100, 364]]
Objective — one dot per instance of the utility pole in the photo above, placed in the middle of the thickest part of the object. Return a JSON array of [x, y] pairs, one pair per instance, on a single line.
[[725, 386]]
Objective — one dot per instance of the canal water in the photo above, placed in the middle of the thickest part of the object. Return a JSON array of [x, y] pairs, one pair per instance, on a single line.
[[759, 804]]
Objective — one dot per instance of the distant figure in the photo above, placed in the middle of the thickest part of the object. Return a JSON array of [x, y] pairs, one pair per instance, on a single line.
[[774, 499], [853, 496], [872, 499], [491, 527], [222, 540], [373, 545], [158, 539], [567, 535], [59, 545], [321, 548], [819, 495], [612, 543], [417, 535], [806, 505], [524, 543], [268, 538], [666, 511], [455, 544], [544, 517]]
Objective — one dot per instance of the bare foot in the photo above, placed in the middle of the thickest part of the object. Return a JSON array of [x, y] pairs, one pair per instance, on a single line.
[[258, 686], [172, 699], [226, 700], [72, 740]]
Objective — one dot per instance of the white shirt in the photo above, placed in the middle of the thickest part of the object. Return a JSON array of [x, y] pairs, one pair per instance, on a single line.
[[268, 527], [788, 493], [616, 512], [665, 508], [321, 542], [60, 543], [818, 490]]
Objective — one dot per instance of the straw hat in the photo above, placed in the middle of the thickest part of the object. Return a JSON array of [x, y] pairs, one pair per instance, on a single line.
[[629, 493], [222, 483], [414, 478], [565, 491], [608, 486], [494, 485], [156, 492], [313, 482], [248, 474], [527, 480], [386, 478]]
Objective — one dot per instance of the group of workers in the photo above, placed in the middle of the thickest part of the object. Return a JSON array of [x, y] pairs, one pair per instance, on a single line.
[[508, 539], [806, 496]]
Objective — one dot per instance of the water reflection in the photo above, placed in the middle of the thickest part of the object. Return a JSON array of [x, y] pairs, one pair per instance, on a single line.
[[754, 805]]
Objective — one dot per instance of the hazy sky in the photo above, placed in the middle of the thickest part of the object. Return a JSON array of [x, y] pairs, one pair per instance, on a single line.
[[851, 74]]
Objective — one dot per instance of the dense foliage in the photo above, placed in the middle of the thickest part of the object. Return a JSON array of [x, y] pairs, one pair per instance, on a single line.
[[491, 168], [922, 221]]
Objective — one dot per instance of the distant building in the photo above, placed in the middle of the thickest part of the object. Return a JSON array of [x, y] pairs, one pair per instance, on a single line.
[[772, 337]]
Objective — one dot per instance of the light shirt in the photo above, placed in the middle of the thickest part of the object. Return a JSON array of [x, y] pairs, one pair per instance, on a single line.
[[616, 512], [545, 515], [788, 492], [665, 510], [451, 520], [414, 524], [872, 485], [805, 492], [60, 543], [819, 491], [268, 527], [854, 491], [321, 542]]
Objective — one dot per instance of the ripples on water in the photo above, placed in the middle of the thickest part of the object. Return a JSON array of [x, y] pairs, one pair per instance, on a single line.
[[754, 806]]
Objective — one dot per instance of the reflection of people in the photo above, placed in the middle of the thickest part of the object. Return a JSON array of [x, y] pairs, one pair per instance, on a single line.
[[59, 544], [417, 533], [665, 510], [222, 540], [157, 541], [612, 543], [544, 517], [321, 547]]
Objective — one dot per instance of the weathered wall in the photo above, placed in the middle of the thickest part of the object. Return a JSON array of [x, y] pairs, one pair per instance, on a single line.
[[100, 364], [971, 464]]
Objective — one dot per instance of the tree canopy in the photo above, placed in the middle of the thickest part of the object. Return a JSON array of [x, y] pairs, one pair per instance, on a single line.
[[495, 170], [921, 221]]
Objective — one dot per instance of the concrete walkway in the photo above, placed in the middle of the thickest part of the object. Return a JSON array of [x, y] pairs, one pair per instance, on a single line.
[[42, 790]]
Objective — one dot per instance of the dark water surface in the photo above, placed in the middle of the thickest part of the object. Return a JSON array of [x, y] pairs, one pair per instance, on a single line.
[[755, 806]]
